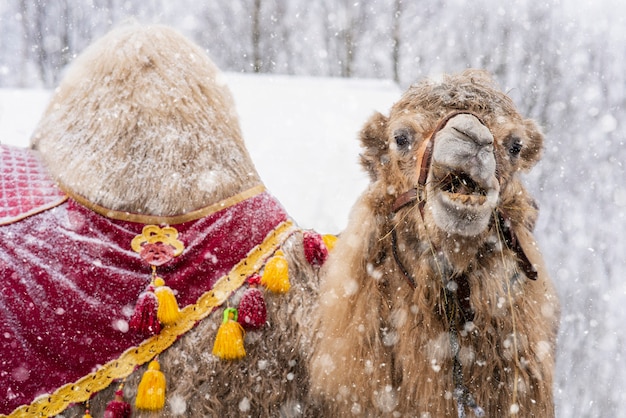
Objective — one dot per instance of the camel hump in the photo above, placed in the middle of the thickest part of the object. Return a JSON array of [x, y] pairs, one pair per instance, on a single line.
[[26, 187]]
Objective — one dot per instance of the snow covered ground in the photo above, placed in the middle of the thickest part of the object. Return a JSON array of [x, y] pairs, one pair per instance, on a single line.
[[302, 135]]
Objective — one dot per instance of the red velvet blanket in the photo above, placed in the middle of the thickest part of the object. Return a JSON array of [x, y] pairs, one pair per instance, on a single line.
[[69, 281]]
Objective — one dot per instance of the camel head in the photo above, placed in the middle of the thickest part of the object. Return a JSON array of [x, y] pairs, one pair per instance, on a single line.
[[143, 122], [454, 148]]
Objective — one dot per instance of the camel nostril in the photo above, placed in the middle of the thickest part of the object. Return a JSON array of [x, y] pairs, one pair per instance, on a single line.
[[481, 138], [488, 141]]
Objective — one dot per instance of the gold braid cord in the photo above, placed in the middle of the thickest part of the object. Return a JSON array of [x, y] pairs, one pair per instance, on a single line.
[[169, 220], [83, 389]]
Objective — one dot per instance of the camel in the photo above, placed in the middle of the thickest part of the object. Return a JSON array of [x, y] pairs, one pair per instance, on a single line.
[[435, 301], [139, 188]]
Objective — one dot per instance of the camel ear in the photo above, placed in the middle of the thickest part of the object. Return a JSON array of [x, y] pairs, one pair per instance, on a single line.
[[531, 153], [374, 142]]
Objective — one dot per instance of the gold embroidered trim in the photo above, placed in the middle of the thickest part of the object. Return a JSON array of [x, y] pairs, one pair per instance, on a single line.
[[167, 220], [84, 388]]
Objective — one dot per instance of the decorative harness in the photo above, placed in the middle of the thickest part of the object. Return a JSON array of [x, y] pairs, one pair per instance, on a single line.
[[120, 288], [416, 195]]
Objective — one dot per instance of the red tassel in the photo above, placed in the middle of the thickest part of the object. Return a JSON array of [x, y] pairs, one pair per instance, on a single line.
[[254, 280], [118, 408], [315, 250], [144, 319], [252, 312]]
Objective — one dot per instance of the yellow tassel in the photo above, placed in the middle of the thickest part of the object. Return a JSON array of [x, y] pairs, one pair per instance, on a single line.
[[229, 339], [151, 390], [330, 241], [168, 311], [276, 274]]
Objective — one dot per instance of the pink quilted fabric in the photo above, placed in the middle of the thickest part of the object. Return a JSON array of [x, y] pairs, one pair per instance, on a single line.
[[25, 185]]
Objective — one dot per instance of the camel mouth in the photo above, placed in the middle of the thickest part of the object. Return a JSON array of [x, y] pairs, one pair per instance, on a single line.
[[460, 188], [461, 203]]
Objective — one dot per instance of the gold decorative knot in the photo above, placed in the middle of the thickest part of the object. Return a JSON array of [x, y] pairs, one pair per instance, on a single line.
[[157, 245]]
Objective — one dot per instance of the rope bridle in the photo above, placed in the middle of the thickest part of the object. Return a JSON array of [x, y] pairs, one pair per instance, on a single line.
[[461, 294]]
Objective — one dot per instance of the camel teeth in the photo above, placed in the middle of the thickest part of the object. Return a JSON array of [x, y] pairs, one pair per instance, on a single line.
[[475, 199], [468, 199]]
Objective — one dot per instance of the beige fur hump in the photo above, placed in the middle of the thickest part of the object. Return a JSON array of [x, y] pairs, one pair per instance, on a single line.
[[143, 122]]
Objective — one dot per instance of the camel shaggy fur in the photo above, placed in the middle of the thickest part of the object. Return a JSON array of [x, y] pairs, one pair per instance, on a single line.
[[143, 123], [435, 301]]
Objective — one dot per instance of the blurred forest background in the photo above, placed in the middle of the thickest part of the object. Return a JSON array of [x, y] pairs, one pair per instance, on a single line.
[[562, 62]]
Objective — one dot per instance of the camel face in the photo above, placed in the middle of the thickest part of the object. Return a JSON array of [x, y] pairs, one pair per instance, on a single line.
[[461, 187], [453, 149]]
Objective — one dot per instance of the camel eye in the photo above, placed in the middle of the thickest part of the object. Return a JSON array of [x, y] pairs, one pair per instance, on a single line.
[[403, 138], [515, 148]]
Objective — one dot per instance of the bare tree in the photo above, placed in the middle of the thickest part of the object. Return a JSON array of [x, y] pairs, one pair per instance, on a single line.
[[345, 24], [257, 61], [54, 32], [396, 37]]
